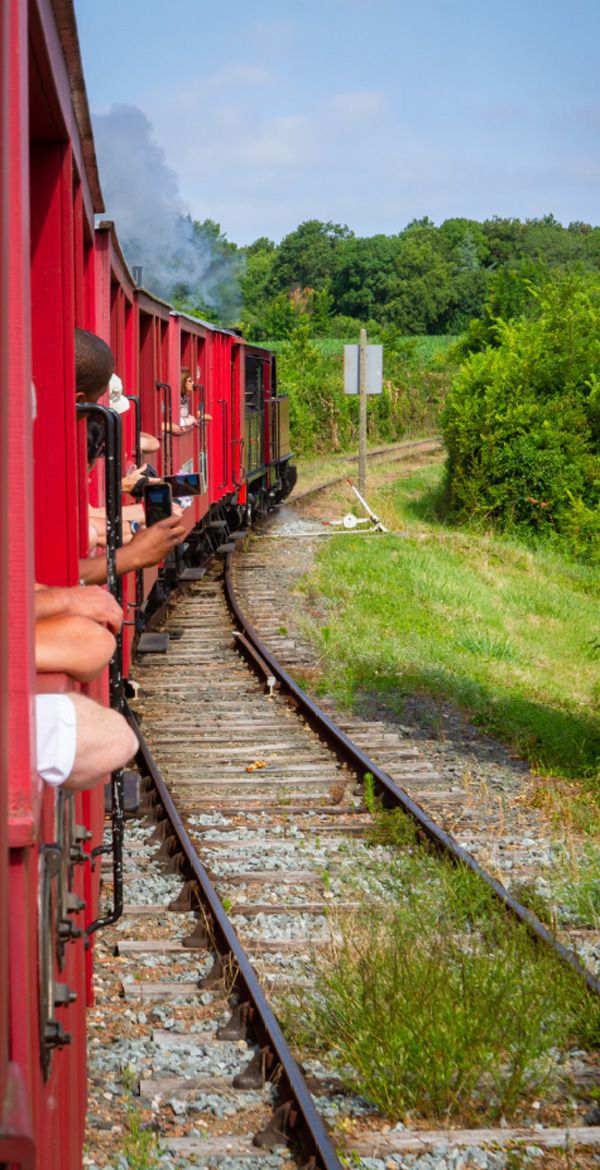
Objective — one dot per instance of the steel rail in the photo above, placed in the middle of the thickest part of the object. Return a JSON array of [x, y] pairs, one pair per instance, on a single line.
[[406, 445], [391, 794], [302, 1120], [403, 447]]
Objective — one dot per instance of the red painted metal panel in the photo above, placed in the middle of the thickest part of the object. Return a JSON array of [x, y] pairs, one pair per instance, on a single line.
[[153, 367], [24, 790], [57, 225], [151, 342], [22, 890], [17, 1141], [6, 1096], [54, 363], [216, 425], [267, 413], [123, 335]]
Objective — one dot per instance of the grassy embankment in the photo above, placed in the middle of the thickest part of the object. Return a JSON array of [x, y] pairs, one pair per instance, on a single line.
[[508, 634], [431, 1002]]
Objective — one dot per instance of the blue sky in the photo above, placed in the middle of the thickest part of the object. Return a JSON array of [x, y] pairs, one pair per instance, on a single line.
[[365, 113]]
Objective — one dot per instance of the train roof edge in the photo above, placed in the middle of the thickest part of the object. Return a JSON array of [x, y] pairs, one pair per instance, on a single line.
[[66, 25], [206, 324]]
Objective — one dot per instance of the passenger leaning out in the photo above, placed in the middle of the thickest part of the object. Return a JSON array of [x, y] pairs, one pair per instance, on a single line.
[[94, 366], [78, 742]]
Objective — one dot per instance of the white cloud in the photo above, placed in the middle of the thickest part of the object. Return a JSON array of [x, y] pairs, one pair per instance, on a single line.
[[237, 75], [236, 139], [270, 37], [363, 105]]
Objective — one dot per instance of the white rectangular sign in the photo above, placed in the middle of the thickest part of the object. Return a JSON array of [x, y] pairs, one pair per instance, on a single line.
[[352, 369]]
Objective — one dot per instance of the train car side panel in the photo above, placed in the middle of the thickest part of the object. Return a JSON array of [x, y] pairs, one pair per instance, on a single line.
[[16, 1123]]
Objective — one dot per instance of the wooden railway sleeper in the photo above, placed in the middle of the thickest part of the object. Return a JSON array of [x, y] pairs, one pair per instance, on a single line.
[[255, 660], [297, 1116]]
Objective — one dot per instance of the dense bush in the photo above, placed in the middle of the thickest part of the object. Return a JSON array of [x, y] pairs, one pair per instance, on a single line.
[[522, 421]]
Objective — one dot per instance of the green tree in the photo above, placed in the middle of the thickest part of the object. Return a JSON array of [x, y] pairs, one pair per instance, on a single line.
[[466, 243], [307, 256], [365, 278], [255, 285], [423, 300]]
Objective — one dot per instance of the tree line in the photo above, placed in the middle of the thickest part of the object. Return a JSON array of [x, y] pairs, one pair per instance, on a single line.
[[426, 279]]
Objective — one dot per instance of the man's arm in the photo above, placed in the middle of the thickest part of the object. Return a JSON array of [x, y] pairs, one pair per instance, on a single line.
[[77, 601], [72, 645], [148, 547]]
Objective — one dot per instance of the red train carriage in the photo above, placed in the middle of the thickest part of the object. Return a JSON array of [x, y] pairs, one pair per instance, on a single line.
[[117, 325], [270, 475], [153, 316], [58, 273], [190, 344], [50, 193], [154, 373]]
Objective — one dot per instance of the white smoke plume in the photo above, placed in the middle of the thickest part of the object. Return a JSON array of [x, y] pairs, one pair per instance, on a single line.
[[153, 224]]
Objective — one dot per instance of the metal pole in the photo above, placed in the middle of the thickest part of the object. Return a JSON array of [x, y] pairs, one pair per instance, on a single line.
[[362, 416]]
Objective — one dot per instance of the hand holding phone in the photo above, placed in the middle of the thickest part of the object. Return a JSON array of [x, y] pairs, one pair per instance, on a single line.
[[158, 502], [185, 484]]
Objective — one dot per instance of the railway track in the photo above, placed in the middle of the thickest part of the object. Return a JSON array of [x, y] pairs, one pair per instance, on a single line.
[[263, 830], [399, 451]]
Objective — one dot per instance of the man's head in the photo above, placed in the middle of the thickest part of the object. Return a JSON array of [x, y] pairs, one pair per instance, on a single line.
[[94, 364]]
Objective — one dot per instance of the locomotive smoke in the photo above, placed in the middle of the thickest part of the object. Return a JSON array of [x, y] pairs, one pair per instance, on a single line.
[[154, 226]]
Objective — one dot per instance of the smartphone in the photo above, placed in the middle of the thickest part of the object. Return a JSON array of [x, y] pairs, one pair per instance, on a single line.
[[158, 502], [185, 484]]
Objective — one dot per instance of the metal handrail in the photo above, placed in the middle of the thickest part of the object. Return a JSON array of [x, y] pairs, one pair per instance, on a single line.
[[112, 497], [164, 389], [199, 387], [139, 573], [138, 427]]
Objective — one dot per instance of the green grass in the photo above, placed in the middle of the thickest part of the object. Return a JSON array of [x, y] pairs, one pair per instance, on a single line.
[[433, 1001], [140, 1146], [507, 633], [577, 886]]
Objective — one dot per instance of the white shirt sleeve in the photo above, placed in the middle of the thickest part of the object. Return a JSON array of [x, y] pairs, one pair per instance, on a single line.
[[56, 737]]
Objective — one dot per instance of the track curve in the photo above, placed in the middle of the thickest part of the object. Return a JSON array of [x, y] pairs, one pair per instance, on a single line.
[[239, 784]]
